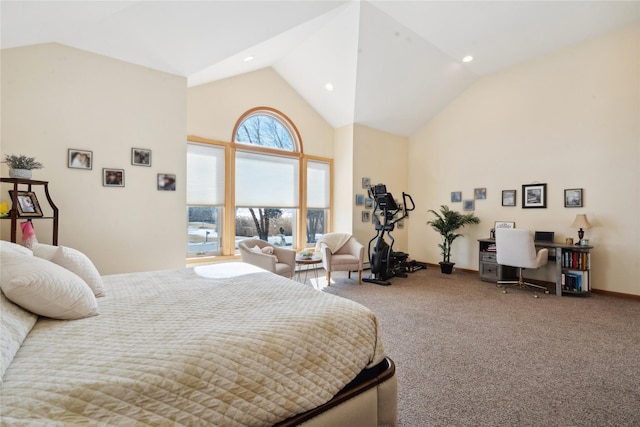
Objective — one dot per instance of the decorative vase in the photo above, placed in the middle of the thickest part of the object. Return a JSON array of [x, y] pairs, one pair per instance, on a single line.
[[20, 173]]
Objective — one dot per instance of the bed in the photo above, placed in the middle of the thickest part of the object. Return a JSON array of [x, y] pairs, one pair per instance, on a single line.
[[226, 344]]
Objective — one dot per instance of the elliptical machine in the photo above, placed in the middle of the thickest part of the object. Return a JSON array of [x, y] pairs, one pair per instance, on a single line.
[[385, 263]]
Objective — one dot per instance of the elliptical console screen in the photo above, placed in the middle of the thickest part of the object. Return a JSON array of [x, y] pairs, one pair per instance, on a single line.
[[383, 199]]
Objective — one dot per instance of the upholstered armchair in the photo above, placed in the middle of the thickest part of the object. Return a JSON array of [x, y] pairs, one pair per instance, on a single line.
[[341, 252], [275, 259]]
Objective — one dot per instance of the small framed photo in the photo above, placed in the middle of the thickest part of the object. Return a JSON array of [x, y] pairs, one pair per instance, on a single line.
[[166, 182], [480, 193], [366, 183], [27, 204], [504, 224], [534, 196], [140, 157], [113, 177], [359, 199], [456, 196], [79, 159], [468, 205], [508, 197], [366, 216], [573, 198], [368, 203]]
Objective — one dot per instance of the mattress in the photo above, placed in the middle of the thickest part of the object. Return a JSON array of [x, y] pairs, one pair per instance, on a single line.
[[226, 344]]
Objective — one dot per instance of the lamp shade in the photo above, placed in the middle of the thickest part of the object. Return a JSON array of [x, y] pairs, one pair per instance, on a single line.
[[581, 221]]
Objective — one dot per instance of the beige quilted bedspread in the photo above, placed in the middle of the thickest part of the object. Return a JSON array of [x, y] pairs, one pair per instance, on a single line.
[[176, 348]]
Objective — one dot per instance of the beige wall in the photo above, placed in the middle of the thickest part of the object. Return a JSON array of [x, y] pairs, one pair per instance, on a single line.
[[382, 157], [214, 109], [343, 180], [571, 120], [55, 98]]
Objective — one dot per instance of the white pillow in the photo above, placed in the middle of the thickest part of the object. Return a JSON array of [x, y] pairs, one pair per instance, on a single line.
[[6, 247], [16, 323], [45, 288], [267, 250], [73, 260]]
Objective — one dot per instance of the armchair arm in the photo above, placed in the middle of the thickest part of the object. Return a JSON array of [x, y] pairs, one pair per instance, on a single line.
[[326, 256], [285, 255], [265, 261]]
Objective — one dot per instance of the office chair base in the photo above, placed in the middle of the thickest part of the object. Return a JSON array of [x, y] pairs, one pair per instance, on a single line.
[[521, 284]]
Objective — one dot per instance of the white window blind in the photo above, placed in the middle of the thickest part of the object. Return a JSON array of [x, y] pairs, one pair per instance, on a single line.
[[266, 181], [318, 185], [205, 175]]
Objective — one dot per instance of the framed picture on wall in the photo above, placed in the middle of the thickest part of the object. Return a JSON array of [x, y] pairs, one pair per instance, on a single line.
[[80, 159], [368, 203], [140, 157], [534, 196], [366, 183], [366, 216], [508, 197], [456, 196], [359, 199], [480, 193], [468, 205], [573, 198], [113, 177], [166, 182]]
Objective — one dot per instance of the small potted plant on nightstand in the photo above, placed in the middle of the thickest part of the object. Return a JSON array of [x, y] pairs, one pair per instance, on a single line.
[[447, 222], [20, 166]]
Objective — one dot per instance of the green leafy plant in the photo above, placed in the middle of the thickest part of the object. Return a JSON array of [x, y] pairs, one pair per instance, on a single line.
[[447, 223], [20, 161]]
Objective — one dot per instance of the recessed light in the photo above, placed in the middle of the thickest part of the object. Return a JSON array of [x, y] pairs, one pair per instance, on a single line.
[[329, 87], [248, 58], [467, 58]]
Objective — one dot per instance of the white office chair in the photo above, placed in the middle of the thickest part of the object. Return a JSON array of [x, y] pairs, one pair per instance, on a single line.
[[516, 248]]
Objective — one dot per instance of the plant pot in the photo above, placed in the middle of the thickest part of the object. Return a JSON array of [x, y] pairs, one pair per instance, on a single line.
[[20, 173], [446, 267]]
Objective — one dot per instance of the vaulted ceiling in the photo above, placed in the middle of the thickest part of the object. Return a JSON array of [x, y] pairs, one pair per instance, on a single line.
[[393, 65]]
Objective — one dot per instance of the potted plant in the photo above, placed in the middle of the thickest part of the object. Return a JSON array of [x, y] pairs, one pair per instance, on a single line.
[[447, 222], [20, 166]]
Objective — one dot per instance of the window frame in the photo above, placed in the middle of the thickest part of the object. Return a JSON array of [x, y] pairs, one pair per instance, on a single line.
[[227, 245]]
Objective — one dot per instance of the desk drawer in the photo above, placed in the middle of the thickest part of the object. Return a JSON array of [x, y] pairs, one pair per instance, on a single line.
[[489, 271], [488, 256]]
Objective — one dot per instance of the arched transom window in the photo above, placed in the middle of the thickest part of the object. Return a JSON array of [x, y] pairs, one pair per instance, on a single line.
[[269, 128]]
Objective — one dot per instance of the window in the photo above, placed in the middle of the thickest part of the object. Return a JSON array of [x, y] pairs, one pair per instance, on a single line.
[[259, 193], [205, 199], [267, 186], [266, 128], [318, 199]]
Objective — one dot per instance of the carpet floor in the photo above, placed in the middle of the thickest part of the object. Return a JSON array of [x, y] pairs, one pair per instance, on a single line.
[[468, 355]]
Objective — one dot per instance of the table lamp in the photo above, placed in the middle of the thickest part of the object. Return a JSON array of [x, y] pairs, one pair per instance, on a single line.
[[581, 222]]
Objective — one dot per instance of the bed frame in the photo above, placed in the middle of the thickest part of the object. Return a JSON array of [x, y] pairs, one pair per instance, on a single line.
[[369, 400]]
